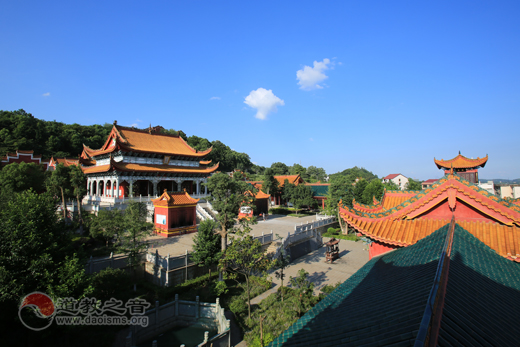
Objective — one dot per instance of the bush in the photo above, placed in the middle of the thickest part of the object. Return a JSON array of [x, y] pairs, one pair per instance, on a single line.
[[238, 306], [334, 231]]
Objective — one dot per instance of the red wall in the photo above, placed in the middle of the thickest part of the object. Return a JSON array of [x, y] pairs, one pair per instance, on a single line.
[[376, 248], [462, 211]]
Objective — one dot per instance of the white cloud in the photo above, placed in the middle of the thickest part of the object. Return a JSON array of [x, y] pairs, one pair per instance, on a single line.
[[264, 101], [46, 94], [214, 98], [311, 139], [138, 121], [309, 77], [134, 125]]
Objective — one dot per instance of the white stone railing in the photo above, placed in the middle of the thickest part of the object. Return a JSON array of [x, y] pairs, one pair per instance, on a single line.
[[315, 224], [169, 315], [203, 212]]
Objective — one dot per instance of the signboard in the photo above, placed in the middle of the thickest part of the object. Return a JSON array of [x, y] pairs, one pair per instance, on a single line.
[[160, 219]]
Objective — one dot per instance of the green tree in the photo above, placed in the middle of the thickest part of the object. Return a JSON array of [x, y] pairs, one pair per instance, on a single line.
[[206, 245], [281, 264], [279, 169], [413, 185], [297, 169], [228, 194], [59, 183], [78, 181], [35, 255], [359, 189], [136, 229], [390, 185], [270, 184], [302, 196], [17, 177], [304, 291], [353, 173], [287, 190], [374, 189], [316, 173], [244, 256], [106, 225]]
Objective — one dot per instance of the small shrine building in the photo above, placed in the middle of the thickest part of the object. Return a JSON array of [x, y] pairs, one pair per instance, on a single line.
[[402, 218], [175, 214], [135, 162], [464, 167]]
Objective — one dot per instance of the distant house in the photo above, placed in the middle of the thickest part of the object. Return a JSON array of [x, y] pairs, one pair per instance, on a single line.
[[511, 192], [319, 191], [429, 183], [65, 161], [398, 179], [489, 186]]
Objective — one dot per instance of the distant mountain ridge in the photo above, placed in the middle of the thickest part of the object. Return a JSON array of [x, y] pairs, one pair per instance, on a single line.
[[501, 180]]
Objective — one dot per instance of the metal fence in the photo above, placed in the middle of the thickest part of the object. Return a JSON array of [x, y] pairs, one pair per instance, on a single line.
[[114, 261]]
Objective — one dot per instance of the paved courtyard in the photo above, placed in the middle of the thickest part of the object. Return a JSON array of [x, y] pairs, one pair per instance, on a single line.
[[178, 245], [353, 255]]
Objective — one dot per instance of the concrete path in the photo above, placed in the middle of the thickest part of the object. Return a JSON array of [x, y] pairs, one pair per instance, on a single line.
[[353, 255], [178, 245]]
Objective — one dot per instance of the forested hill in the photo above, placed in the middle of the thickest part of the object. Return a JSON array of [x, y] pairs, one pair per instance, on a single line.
[[21, 130], [353, 173]]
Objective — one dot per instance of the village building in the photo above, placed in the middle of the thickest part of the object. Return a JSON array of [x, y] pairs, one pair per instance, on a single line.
[[428, 183], [22, 156], [142, 163], [400, 180]]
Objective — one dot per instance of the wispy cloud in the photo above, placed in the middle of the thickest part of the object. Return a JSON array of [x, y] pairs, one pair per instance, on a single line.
[[46, 94], [264, 101], [133, 125], [138, 121], [311, 139], [309, 77], [214, 98]]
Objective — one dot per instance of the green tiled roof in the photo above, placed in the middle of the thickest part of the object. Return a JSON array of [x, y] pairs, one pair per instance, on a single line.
[[319, 190], [383, 303]]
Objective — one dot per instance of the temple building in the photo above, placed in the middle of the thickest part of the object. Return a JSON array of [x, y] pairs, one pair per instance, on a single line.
[[464, 167], [22, 156], [175, 214], [402, 218], [142, 163]]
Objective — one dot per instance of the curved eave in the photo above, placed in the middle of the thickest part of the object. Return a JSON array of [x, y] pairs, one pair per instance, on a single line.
[[128, 148], [130, 167], [461, 162]]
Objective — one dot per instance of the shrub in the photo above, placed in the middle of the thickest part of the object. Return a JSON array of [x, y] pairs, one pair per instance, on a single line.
[[238, 306]]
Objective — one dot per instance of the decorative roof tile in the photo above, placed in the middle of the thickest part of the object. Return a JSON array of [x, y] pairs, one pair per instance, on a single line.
[[384, 303], [461, 162], [174, 199]]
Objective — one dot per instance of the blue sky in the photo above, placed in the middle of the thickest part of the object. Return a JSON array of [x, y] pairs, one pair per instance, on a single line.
[[385, 85]]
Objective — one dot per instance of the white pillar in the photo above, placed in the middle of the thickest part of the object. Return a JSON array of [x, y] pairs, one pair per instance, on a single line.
[[206, 188], [198, 187], [117, 189], [112, 187]]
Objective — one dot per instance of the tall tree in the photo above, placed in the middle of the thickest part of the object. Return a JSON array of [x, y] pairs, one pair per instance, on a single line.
[[206, 245], [316, 173], [280, 169], [17, 177], [136, 229], [35, 255], [228, 194], [359, 189], [374, 189], [78, 181], [59, 183], [106, 225], [302, 196], [281, 264], [244, 256], [270, 184]]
